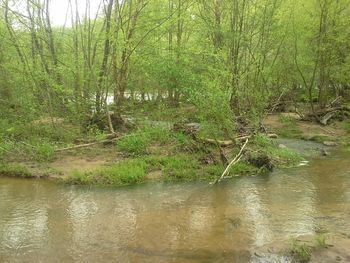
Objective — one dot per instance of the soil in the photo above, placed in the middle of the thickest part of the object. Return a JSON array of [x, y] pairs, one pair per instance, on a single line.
[[308, 129], [83, 160]]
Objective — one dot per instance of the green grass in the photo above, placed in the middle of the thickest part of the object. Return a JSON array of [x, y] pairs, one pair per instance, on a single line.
[[133, 171], [321, 138], [320, 241], [122, 173], [15, 170], [139, 142], [243, 168], [300, 251], [181, 167], [174, 166], [346, 126], [134, 144], [213, 131], [280, 156], [290, 128]]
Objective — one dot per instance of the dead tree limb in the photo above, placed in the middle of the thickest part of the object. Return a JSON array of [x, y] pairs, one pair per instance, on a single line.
[[87, 145], [233, 162], [235, 141]]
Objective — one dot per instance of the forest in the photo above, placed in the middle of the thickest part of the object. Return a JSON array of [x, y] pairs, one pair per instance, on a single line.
[[175, 131], [138, 67]]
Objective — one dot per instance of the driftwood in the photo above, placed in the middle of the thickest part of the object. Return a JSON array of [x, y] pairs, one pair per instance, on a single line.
[[220, 143], [327, 131], [236, 140], [233, 162], [110, 139], [323, 112], [323, 116], [277, 103], [324, 120]]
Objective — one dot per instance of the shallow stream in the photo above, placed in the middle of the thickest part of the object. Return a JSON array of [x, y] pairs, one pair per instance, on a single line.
[[42, 221]]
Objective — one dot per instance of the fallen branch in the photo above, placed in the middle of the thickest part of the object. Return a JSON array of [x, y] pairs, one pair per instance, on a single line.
[[233, 162], [323, 112], [86, 145], [220, 143], [236, 140], [327, 131], [278, 102], [327, 117]]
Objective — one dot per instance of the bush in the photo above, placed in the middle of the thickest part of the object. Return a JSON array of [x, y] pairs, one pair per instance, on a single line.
[[282, 156], [136, 144]]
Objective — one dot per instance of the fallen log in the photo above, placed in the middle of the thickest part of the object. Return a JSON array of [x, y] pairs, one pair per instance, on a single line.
[[327, 117], [323, 112]]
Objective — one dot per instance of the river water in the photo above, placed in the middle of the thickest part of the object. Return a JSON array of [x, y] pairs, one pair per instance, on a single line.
[[42, 221]]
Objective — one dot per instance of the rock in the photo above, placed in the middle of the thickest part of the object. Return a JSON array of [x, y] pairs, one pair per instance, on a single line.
[[282, 146], [330, 143]]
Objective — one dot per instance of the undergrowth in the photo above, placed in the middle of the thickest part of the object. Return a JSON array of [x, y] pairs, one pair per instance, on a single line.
[[280, 156], [139, 142], [135, 170], [15, 170], [289, 128], [300, 251]]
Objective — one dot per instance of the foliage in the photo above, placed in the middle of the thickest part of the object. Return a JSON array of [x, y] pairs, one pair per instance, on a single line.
[[321, 241], [201, 56], [301, 251], [212, 62], [126, 172], [346, 126], [290, 128], [280, 156], [15, 170], [135, 171], [136, 143]]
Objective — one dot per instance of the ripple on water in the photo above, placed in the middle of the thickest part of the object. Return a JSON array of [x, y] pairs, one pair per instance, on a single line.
[[188, 222]]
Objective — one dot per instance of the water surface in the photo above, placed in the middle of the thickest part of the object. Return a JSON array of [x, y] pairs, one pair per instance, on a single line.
[[41, 221]]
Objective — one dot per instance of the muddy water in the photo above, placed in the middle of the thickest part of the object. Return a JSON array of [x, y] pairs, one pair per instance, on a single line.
[[46, 222]]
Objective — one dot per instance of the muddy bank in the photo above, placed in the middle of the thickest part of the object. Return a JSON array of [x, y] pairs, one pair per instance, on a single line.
[[164, 154]]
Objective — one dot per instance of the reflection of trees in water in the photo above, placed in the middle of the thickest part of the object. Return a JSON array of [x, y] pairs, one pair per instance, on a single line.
[[23, 217], [332, 192], [290, 197], [101, 226], [256, 214], [178, 222]]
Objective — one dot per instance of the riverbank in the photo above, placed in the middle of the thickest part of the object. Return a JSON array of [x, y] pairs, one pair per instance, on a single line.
[[157, 152], [248, 219]]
